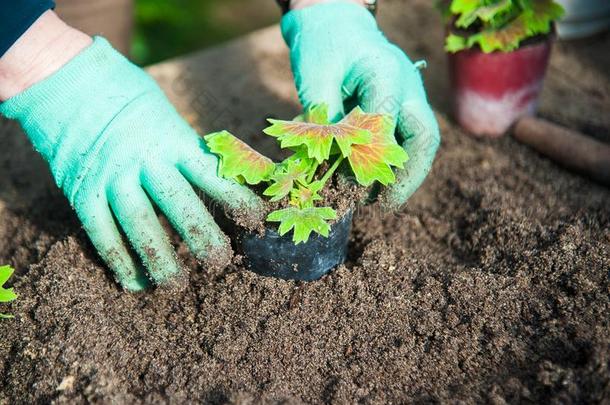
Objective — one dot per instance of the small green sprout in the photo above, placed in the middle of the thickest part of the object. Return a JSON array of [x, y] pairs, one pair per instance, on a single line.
[[364, 141], [6, 294], [304, 221], [497, 25]]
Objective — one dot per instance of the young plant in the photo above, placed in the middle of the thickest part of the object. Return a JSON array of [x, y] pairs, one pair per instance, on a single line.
[[497, 25], [6, 294], [365, 141]]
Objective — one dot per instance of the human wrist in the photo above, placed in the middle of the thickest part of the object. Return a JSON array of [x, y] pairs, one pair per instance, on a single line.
[[300, 4], [41, 51], [65, 114]]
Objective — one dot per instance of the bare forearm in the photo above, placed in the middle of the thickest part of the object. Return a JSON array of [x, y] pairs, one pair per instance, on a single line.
[[42, 50]]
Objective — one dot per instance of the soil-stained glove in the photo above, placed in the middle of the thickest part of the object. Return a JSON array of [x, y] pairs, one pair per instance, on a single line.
[[339, 56], [116, 145]]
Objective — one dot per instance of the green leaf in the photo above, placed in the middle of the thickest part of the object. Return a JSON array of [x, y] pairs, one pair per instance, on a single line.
[[540, 14], [6, 294], [505, 39], [484, 13], [455, 43], [303, 221], [238, 160], [285, 176], [465, 6], [316, 135], [317, 114], [305, 196], [300, 153], [373, 161], [501, 25], [536, 18]]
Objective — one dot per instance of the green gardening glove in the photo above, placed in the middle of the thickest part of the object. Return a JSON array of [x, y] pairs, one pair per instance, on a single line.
[[116, 146], [339, 57]]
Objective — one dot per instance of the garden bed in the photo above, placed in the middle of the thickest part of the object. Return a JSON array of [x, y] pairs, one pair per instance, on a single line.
[[491, 284]]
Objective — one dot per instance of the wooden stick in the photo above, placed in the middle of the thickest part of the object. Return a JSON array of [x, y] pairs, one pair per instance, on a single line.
[[569, 148]]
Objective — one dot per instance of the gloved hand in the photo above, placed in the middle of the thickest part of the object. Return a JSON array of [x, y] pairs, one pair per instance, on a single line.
[[114, 144], [338, 56]]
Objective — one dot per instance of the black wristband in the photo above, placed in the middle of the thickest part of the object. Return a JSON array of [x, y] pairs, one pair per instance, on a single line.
[[284, 5]]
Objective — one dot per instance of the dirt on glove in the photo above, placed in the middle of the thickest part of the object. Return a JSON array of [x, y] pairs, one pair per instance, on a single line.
[[490, 286]]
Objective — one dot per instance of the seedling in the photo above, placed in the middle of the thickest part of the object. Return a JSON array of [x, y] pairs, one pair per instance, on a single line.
[[497, 25], [6, 294], [364, 141]]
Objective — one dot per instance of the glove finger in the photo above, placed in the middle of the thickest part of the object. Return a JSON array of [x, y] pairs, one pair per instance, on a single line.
[[137, 217], [186, 212], [380, 85], [380, 81], [418, 128], [237, 198], [314, 87], [99, 224]]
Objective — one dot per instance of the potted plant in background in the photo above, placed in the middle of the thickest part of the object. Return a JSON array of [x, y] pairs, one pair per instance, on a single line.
[[583, 18], [313, 229], [498, 55]]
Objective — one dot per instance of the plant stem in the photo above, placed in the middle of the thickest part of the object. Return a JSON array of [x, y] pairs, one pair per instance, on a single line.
[[313, 172], [331, 170]]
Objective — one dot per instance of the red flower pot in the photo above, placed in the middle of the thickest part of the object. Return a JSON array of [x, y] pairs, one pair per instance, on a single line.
[[492, 90]]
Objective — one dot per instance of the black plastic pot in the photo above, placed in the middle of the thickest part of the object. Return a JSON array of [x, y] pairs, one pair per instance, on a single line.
[[273, 255]]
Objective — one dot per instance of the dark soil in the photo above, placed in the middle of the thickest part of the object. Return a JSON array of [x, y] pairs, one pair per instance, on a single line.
[[492, 285], [342, 194]]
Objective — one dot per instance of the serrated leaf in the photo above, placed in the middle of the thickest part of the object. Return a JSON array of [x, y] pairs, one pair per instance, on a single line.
[[501, 24], [455, 43], [373, 123], [303, 221], [6, 272], [6, 294], [317, 115], [373, 162], [464, 6], [317, 135], [504, 39], [305, 196], [540, 15], [238, 160], [285, 177], [300, 154], [484, 12]]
